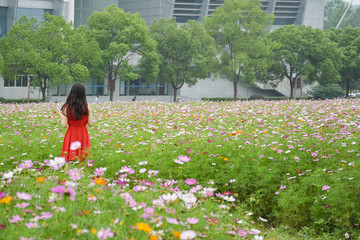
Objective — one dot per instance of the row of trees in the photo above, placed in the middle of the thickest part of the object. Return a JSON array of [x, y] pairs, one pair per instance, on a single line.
[[234, 42]]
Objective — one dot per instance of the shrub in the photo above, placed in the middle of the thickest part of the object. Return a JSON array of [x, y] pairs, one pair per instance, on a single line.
[[256, 97], [327, 92]]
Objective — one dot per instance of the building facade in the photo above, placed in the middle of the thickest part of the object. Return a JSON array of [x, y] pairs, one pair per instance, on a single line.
[[306, 12]]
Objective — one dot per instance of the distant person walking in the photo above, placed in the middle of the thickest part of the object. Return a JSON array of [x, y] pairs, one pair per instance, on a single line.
[[76, 114], [97, 100], [134, 99]]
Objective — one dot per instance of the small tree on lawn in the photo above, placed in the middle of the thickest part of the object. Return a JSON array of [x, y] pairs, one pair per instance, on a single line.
[[187, 53], [239, 27], [120, 36]]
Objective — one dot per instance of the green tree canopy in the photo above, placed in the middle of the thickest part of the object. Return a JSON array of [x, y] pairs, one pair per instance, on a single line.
[[51, 51], [1, 63], [187, 53], [122, 36], [348, 40], [239, 27], [304, 52]]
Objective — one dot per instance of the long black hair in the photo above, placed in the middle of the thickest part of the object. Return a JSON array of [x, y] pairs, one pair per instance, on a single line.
[[76, 102]]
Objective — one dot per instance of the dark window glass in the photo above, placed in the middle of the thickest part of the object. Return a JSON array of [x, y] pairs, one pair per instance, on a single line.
[[286, 14], [3, 21], [188, 1], [24, 81], [280, 9], [11, 83], [6, 83], [187, 6], [217, 1], [186, 11], [289, 4], [284, 21], [18, 81]]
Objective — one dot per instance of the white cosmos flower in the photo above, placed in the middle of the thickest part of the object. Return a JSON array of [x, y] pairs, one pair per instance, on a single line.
[[75, 145]]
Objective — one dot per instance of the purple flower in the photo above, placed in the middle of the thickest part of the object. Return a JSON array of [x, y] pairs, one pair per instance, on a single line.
[[105, 233]]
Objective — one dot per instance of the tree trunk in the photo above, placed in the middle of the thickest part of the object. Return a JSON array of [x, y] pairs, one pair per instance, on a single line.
[[292, 83], [175, 90], [111, 90], [235, 90], [43, 91], [347, 87]]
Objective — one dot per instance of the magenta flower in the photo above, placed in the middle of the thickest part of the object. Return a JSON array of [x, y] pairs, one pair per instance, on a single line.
[[242, 233], [190, 181], [71, 192], [59, 189], [15, 219], [105, 233], [326, 187], [23, 196], [184, 158]]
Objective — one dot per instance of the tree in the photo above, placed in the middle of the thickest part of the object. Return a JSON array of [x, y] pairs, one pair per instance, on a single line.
[[51, 51], [187, 53], [305, 52], [1, 64], [335, 9], [348, 40], [239, 27], [121, 36]]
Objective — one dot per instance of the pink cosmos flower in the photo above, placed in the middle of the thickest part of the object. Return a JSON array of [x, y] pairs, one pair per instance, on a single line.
[[326, 187], [99, 171], [91, 198], [15, 219], [22, 205], [57, 163], [23, 196], [46, 215], [192, 220], [105, 233], [75, 145], [32, 225], [172, 221], [24, 238], [242, 233], [188, 234], [26, 164], [190, 181], [74, 174]]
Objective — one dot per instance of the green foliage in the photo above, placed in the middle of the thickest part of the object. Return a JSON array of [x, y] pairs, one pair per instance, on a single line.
[[1, 63], [20, 100], [348, 41], [122, 36], [187, 53], [51, 51], [305, 53], [239, 28], [327, 92]]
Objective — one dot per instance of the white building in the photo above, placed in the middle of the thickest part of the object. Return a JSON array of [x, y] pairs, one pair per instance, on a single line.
[[306, 12]]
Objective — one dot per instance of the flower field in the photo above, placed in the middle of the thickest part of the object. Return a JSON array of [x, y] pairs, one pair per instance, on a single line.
[[204, 170]]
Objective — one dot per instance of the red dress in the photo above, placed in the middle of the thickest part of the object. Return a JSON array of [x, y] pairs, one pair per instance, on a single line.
[[76, 143]]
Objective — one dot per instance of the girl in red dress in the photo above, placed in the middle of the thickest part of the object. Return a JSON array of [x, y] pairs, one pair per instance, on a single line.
[[75, 114]]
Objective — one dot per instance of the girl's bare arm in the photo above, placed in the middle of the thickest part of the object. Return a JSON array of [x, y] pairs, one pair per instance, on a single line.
[[90, 117], [64, 120]]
